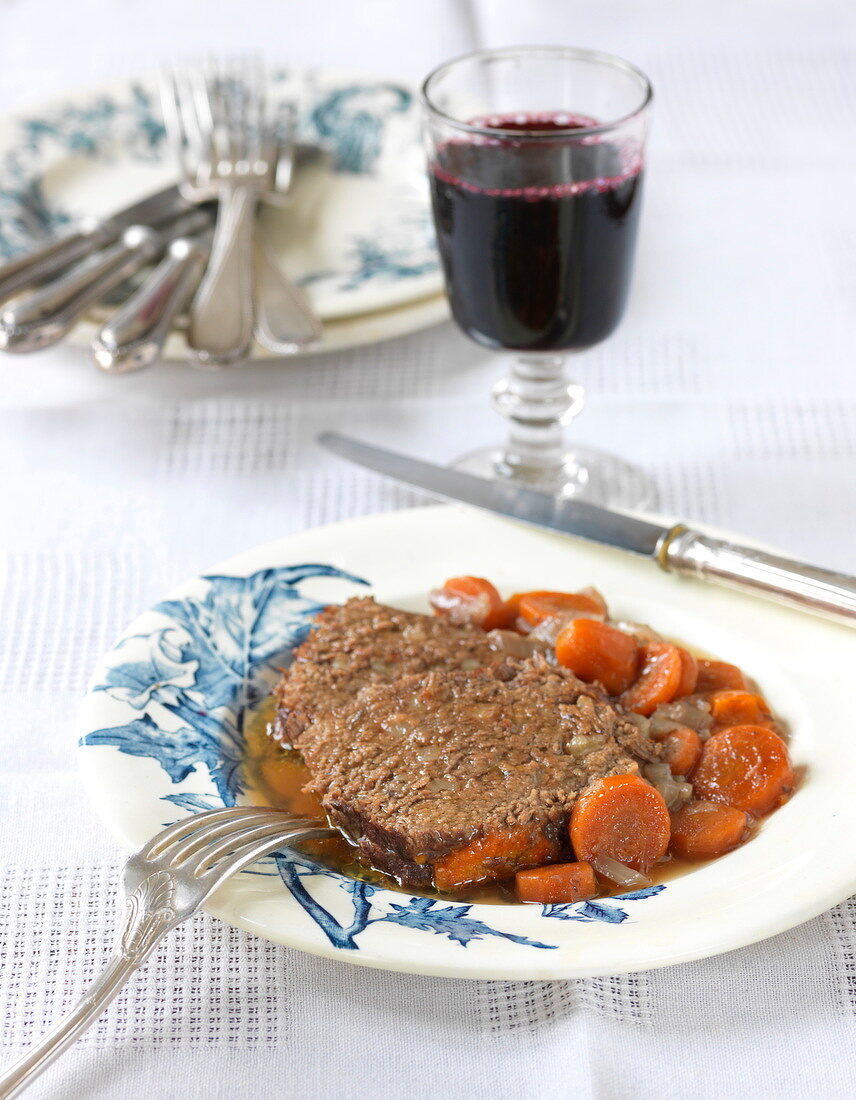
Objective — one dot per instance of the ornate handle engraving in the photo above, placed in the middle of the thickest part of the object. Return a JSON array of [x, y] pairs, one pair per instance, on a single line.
[[148, 915]]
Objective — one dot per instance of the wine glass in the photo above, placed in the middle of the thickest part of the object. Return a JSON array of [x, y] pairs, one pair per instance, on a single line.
[[536, 164]]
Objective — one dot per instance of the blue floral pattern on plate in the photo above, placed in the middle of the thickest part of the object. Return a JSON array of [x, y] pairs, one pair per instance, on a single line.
[[186, 687], [352, 120]]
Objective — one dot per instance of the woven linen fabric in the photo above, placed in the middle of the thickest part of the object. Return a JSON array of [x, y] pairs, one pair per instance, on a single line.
[[731, 379]]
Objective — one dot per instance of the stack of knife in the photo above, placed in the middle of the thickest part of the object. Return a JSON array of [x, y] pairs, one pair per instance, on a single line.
[[189, 248], [45, 293]]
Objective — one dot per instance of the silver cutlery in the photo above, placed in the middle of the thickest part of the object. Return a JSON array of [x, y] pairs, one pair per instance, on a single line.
[[285, 322], [88, 236], [228, 145], [165, 883], [135, 335], [234, 149], [676, 548], [45, 315]]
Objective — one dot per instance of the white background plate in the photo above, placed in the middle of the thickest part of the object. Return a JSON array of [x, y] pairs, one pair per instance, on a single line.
[[801, 862], [356, 234]]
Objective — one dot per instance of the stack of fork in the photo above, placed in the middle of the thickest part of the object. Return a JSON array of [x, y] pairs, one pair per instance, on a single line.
[[235, 148]]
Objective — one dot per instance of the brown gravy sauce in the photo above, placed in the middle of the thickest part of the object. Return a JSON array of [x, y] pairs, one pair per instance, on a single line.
[[276, 777]]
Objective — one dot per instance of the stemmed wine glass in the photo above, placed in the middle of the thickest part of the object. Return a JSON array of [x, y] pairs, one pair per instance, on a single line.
[[536, 162]]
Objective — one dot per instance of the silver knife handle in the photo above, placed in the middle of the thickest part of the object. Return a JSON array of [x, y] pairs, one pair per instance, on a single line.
[[136, 333], [782, 580], [221, 317], [285, 321], [45, 316], [36, 267]]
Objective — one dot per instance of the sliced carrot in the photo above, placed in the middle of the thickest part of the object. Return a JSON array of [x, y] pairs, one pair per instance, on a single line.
[[495, 856], [689, 673], [470, 600], [596, 651], [681, 750], [621, 817], [535, 607], [718, 676], [561, 882], [702, 830], [739, 708], [747, 767], [658, 680]]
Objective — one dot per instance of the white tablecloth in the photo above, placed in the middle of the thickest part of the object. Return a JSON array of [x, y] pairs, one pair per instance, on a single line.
[[731, 379]]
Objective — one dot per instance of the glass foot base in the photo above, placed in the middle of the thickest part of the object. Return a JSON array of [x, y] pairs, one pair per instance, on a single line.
[[586, 474]]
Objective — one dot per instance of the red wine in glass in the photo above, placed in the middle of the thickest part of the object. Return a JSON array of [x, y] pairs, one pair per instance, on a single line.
[[556, 219], [535, 164]]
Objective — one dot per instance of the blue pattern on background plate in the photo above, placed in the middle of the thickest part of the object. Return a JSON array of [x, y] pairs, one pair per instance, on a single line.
[[187, 685], [350, 121]]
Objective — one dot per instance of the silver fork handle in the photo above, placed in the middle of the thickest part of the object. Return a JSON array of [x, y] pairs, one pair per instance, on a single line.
[[221, 317], [143, 928], [285, 321], [158, 900]]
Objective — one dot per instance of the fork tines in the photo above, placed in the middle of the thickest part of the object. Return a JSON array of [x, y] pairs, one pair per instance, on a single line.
[[220, 121]]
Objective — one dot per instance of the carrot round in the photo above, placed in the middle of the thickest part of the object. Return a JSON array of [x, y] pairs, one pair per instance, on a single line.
[[689, 673], [535, 607], [739, 708], [596, 651], [621, 817], [659, 678], [703, 830], [470, 600], [719, 676], [681, 750], [561, 882], [746, 767]]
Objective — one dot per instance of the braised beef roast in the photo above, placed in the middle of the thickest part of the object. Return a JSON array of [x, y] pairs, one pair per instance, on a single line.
[[363, 642], [444, 764]]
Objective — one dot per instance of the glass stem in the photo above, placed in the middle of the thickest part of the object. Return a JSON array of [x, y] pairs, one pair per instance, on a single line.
[[537, 399]]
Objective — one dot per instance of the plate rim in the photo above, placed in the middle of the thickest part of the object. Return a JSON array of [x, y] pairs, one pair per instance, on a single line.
[[534, 968]]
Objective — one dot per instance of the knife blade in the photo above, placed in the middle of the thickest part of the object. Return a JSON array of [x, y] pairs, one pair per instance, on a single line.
[[676, 548], [504, 498], [87, 236]]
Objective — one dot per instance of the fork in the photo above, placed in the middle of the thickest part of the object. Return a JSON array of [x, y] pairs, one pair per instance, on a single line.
[[215, 118], [165, 883], [226, 140]]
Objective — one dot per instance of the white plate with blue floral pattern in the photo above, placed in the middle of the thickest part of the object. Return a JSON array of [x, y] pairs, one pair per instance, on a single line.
[[163, 735], [357, 233]]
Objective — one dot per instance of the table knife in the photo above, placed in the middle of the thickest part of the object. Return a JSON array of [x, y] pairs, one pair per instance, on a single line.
[[43, 316], [89, 235], [677, 548], [135, 335]]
